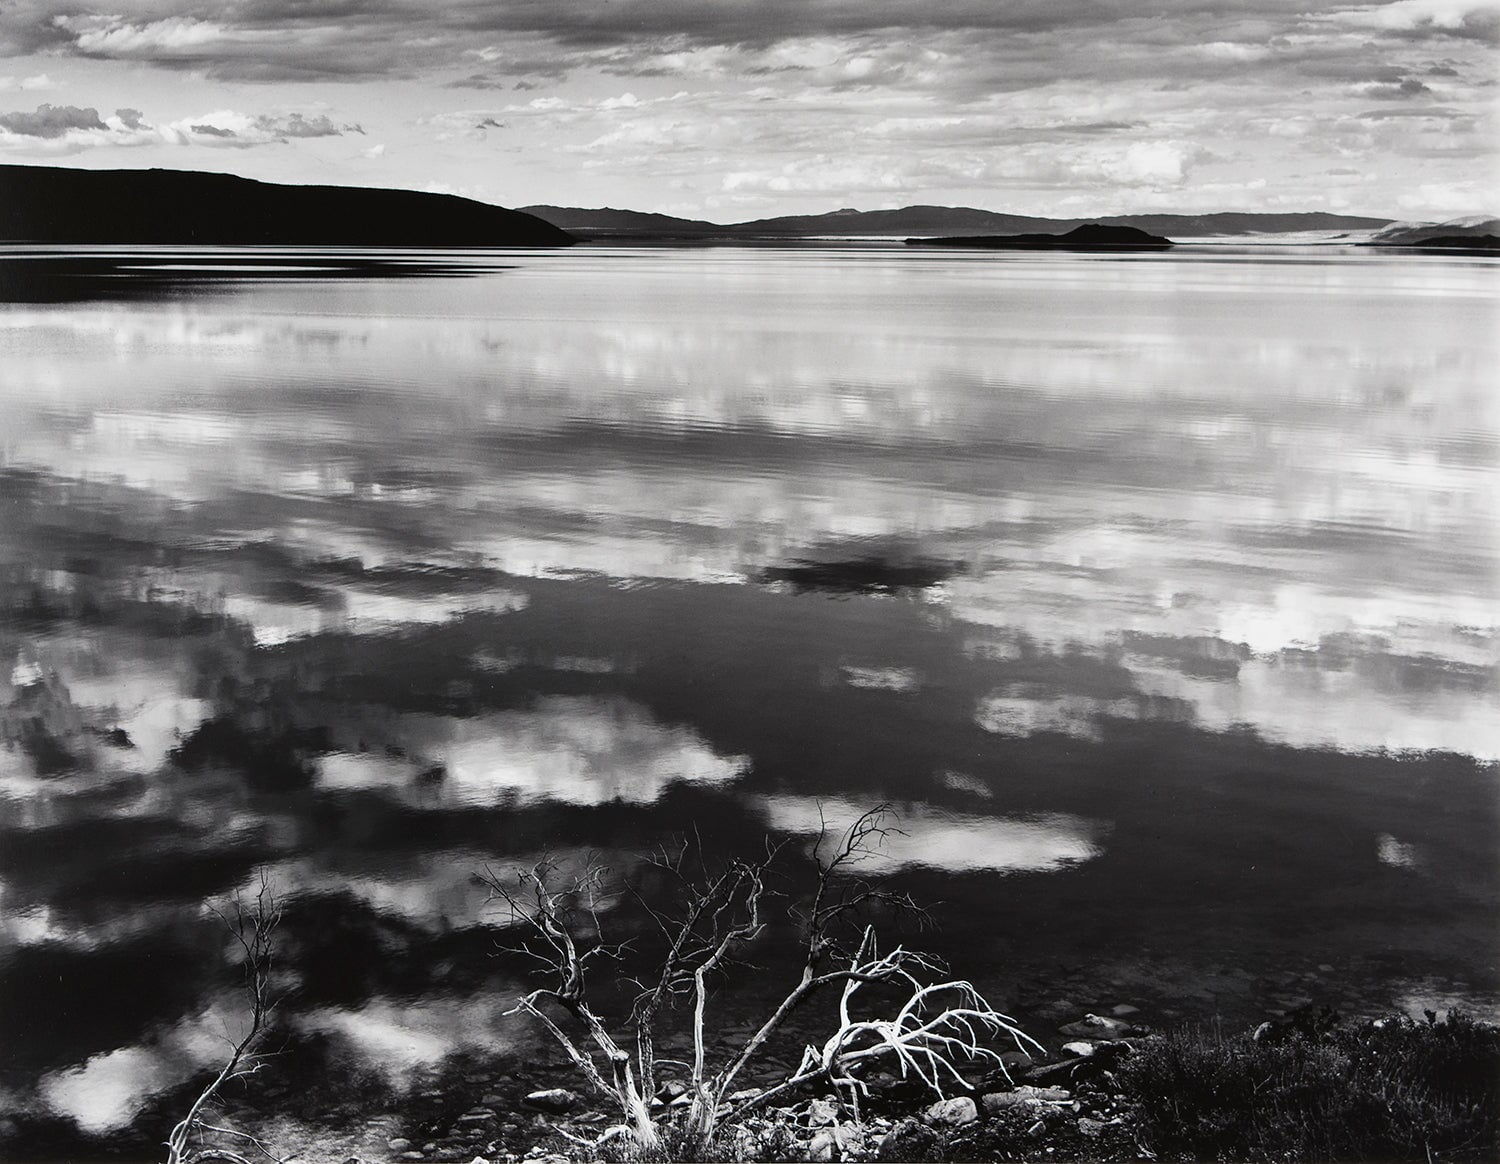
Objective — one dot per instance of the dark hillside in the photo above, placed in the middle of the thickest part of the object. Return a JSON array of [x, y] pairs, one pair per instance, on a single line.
[[52, 204]]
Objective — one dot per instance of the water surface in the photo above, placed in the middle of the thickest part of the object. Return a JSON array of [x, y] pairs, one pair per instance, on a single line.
[[1156, 593]]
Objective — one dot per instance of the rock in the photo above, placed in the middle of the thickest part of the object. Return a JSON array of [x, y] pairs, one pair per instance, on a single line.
[[1025, 1098], [998, 1101], [1089, 1127], [1095, 1026], [822, 1113], [413, 1156], [908, 1140], [1080, 1049], [1046, 1094], [555, 1099], [836, 1143], [1124, 1010], [952, 1113], [1015, 1061], [670, 1089], [398, 1144], [742, 1094]]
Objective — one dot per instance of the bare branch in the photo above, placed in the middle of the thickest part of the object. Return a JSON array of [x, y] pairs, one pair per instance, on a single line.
[[253, 928]]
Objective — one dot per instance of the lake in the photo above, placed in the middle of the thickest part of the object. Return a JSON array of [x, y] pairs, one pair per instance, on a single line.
[[1155, 593]]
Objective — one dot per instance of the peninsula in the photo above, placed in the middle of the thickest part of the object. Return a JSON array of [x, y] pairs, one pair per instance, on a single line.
[[55, 204]]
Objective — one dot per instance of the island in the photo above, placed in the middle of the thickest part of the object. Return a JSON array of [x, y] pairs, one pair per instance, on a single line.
[[1091, 236], [56, 204]]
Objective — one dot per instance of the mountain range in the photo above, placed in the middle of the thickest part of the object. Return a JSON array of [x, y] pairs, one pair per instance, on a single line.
[[930, 220], [55, 204]]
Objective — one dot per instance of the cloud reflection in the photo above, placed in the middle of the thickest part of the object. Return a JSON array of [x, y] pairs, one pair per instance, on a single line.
[[954, 841], [401, 1038], [566, 749], [107, 1092]]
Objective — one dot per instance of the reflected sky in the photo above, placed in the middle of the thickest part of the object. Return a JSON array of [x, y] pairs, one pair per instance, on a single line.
[[1157, 593]]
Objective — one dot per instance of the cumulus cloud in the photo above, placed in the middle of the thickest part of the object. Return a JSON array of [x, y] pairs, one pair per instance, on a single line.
[[51, 121], [71, 128]]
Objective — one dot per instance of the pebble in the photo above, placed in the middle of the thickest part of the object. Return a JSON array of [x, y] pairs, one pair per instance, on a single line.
[[399, 1144], [1084, 1050]]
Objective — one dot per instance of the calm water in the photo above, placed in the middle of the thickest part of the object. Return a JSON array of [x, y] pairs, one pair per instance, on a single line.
[[1157, 593]]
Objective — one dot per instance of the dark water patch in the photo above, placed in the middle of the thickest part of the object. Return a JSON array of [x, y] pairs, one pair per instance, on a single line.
[[273, 760], [61, 1004], [870, 575], [40, 277]]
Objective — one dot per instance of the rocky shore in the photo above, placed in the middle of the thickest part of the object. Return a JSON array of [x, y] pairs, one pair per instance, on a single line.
[[1098, 1098]]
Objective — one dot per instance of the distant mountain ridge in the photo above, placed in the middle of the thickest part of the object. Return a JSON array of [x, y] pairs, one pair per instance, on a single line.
[[1415, 234], [911, 221], [56, 204]]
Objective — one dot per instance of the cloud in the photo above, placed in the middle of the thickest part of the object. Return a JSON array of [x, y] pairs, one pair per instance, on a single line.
[[1428, 19], [108, 36], [51, 121], [36, 83], [298, 125], [1398, 91], [71, 128]]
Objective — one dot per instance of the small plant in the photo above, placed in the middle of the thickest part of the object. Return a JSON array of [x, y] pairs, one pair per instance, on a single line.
[[1394, 1090], [253, 926], [940, 1026]]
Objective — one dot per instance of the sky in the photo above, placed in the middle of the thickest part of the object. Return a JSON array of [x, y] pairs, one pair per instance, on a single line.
[[738, 109]]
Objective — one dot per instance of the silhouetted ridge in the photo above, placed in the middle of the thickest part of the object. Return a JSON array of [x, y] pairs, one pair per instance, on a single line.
[[1089, 237], [52, 204], [912, 221]]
